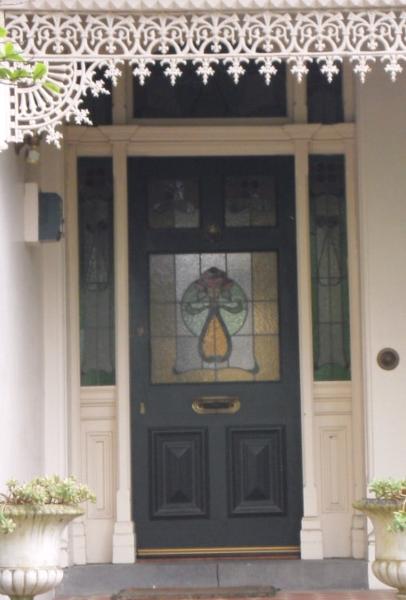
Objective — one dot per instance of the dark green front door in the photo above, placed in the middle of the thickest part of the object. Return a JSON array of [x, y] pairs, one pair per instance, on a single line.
[[216, 450]]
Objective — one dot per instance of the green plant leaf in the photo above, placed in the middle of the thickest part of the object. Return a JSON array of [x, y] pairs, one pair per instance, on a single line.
[[388, 489], [20, 74], [7, 525], [5, 73], [39, 71], [13, 57], [10, 53], [51, 86], [8, 48]]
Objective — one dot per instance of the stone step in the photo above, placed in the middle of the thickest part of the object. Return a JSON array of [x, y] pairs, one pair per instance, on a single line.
[[107, 579], [387, 594]]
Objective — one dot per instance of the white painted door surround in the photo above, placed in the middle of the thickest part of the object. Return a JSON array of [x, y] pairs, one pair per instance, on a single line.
[[332, 421]]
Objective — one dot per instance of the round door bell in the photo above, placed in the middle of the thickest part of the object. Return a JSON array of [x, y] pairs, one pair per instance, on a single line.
[[388, 359]]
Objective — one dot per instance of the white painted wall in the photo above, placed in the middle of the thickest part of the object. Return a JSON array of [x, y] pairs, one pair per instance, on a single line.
[[5, 112], [21, 362], [381, 128]]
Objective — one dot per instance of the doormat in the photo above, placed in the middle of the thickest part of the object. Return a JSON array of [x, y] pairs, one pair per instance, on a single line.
[[210, 593]]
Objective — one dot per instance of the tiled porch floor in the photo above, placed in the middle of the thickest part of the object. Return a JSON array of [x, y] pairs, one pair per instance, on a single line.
[[337, 595], [293, 595]]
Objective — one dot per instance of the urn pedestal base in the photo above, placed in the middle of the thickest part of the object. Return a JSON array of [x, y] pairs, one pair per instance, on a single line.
[[26, 583], [393, 573], [29, 554]]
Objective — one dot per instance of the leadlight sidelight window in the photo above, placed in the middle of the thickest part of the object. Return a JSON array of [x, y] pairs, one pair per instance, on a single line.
[[214, 317], [331, 337], [95, 208]]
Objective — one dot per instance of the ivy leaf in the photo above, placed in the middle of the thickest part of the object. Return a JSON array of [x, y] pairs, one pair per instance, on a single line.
[[3, 32], [39, 71], [51, 86]]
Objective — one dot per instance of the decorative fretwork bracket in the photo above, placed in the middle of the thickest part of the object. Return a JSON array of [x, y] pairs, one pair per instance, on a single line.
[[75, 45]]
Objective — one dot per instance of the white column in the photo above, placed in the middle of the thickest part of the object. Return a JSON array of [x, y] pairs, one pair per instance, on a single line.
[[299, 99], [358, 442], [78, 545], [311, 533], [54, 328], [120, 95], [123, 537], [5, 116]]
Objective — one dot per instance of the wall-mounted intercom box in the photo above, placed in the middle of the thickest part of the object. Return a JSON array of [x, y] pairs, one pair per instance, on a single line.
[[43, 215]]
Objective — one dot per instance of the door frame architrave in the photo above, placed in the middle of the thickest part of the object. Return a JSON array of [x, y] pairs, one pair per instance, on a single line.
[[121, 141]]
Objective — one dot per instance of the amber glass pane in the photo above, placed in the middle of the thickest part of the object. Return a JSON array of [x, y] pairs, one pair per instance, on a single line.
[[250, 201], [173, 203], [214, 317]]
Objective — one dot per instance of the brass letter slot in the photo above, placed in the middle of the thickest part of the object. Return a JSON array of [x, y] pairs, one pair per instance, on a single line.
[[216, 404]]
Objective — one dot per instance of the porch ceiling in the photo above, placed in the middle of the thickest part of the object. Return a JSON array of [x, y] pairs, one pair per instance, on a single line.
[[196, 5]]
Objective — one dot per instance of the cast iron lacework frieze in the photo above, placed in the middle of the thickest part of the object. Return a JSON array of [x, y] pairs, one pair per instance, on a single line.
[[75, 46]]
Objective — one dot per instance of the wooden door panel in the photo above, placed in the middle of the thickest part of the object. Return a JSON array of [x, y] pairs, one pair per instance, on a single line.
[[257, 472], [214, 317], [178, 463]]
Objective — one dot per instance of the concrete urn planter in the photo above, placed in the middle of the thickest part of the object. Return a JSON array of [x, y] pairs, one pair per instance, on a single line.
[[29, 555], [389, 565]]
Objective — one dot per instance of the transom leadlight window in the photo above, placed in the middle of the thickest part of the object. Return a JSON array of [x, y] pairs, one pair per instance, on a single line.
[[95, 208], [331, 337], [173, 203], [250, 201], [214, 317], [324, 98], [219, 98]]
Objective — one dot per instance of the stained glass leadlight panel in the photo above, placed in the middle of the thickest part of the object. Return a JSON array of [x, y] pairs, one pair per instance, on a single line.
[[95, 208], [250, 201], [331, 339], [173, 203], [214, 317]]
